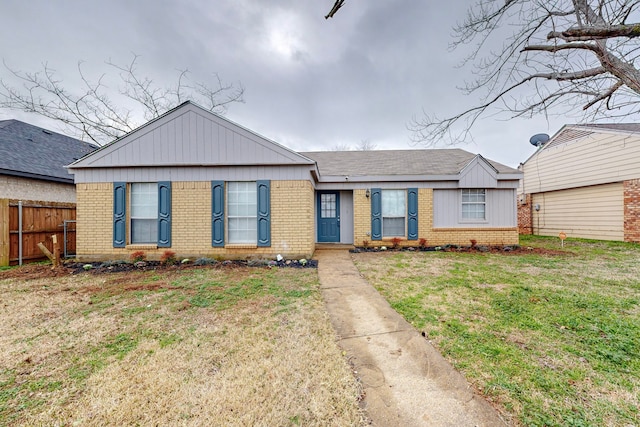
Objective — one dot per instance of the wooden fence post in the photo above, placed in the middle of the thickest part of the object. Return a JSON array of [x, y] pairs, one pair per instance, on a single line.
[[56, 251], [4, 232]]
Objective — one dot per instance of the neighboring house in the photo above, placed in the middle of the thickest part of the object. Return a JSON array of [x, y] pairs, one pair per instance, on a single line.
[[33, 160], [197, 184], [585, 181]]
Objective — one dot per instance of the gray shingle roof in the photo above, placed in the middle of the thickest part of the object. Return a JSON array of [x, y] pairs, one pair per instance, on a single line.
[[34, 152], [396, 162]]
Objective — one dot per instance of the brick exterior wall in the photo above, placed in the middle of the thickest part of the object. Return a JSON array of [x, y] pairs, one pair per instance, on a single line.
[[525, 214], [292, 224], [632, 210], [361, 218], [17, 188], [433, 236], [483, 236], [94, 226]]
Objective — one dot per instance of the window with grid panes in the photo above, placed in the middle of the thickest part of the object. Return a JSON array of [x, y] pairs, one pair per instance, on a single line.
[[473, 203], [394, 208], [144, 212], [242, 211]]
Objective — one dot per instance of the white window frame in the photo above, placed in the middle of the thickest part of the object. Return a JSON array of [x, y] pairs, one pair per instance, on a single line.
[[383, 215], [473, 200], [242, 194], [143, 196]]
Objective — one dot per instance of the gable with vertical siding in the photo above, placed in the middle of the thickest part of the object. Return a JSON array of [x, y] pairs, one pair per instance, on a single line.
[[478, 173], [188, 135]]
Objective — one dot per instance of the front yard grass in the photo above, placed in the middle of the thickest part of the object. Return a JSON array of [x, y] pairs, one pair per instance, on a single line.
[[221, 347], [550, 339]]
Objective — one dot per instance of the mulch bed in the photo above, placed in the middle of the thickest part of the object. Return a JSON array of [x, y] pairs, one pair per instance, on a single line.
[[505, 250], [36, 271], [99, 267]]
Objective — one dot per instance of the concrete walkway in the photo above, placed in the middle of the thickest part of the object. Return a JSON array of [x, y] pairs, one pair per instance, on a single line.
[[406, 381]]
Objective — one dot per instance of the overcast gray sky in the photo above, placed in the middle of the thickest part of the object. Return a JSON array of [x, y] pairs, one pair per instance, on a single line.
[[310, 83]]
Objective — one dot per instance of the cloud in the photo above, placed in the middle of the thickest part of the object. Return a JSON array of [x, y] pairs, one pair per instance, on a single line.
[[310, 83]]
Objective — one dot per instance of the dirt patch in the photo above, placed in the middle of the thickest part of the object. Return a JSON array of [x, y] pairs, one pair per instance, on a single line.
[[33, 271]]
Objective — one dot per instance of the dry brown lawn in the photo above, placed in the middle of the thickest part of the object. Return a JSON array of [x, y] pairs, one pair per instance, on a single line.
[[209, 346]]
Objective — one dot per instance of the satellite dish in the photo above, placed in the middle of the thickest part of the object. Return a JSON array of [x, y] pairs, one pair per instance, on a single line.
[[539, 139]]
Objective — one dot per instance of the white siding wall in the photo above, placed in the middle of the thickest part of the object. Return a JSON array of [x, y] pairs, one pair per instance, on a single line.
[[595, 212], [500, 209], [599, 158]]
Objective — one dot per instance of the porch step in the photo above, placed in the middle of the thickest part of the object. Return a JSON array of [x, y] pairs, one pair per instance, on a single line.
[[334, 246]]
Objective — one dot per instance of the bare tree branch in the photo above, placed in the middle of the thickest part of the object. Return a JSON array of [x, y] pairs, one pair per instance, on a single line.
[[98, 113], [562, 53], [366, 145], [341, 147], [337, 5], [596, 33]]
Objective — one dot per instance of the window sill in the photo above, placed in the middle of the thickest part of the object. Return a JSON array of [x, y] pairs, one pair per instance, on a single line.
[[241, 246], [141, 247]]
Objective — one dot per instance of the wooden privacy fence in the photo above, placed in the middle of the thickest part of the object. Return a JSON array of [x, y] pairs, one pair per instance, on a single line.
[[40, 220]]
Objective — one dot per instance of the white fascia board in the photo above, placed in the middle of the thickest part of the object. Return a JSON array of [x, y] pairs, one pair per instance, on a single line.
[[386, 178], [404, 178]]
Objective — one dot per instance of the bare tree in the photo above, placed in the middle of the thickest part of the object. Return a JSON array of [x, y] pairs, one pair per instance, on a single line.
[[92, 113], [577, 55], [366, 145], [341, 147]]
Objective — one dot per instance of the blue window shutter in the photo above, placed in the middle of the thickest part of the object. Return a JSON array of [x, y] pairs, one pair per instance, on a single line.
[[119, 214], [376, 214], [412, 214], [264, 213], [164, 214], [217, 213]]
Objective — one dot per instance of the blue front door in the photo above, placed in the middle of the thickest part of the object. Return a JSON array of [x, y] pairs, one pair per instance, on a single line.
[[328, 216]]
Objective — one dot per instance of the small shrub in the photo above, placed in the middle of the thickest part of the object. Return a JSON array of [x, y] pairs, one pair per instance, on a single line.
[[87, 267], [396, 242], [256, 262], [422, 243], [205, 261], [168, 258], [138, 256], [474, 242], [365, 243]]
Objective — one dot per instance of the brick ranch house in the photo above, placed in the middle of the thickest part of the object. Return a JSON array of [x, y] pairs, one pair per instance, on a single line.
[[585, 181], [199, 185]]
